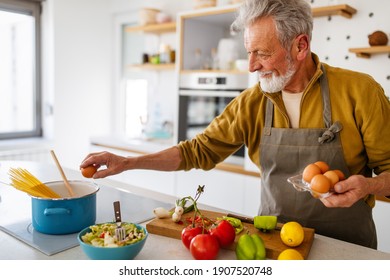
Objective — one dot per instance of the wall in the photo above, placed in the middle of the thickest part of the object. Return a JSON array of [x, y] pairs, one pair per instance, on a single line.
[[78, 70], [77, 81], [332, 37]]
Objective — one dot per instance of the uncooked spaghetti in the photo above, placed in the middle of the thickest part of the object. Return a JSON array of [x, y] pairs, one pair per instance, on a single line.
[[23, 180]]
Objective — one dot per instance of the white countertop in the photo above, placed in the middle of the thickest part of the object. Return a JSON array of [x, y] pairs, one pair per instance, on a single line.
[[158, 247], [137, 145]]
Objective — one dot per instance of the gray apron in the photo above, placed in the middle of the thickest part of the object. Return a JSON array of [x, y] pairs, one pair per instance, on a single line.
[[284, 152]]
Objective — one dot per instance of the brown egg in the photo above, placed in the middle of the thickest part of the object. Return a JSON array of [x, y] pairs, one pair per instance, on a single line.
[[322, 165], [88, 171], [310, 171], [340, 174], [332, 176], [320, 183]]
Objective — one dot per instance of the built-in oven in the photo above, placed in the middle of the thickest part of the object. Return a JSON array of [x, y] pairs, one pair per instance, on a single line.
[[202, 97]]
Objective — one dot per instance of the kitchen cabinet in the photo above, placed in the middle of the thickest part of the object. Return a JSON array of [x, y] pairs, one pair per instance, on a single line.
[[380, 215]]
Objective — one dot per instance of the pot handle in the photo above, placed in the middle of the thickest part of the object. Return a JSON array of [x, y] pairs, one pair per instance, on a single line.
[[56, 211]]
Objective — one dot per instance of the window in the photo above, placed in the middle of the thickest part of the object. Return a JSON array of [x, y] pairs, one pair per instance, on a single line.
[[136, 107], [20, 92]]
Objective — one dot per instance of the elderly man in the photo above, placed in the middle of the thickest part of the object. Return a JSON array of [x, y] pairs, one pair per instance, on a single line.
[[301, 111]]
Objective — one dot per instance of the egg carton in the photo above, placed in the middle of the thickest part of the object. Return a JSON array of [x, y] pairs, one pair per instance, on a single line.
[[302, 186]]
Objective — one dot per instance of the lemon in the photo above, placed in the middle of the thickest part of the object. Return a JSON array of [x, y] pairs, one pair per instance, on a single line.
[[290, 254], [292, 234]]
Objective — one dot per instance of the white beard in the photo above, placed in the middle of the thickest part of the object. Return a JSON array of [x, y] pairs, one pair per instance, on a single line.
[[275, 83]]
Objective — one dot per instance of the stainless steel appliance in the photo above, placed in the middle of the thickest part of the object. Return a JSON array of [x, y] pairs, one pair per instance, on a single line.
[[202, 97]]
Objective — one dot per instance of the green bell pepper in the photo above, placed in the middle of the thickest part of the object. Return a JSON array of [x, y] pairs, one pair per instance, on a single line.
[[250, 247], [265, 223]]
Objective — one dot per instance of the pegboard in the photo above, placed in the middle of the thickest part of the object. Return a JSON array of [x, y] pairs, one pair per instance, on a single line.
[[334, 35]]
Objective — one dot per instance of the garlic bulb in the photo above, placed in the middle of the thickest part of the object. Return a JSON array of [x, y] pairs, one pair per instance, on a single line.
[[161, 213]]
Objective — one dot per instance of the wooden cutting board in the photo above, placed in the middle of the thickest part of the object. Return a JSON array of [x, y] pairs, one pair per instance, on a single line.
[[273, 243]]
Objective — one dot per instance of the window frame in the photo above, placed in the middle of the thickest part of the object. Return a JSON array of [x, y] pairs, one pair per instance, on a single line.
[[32, 8]]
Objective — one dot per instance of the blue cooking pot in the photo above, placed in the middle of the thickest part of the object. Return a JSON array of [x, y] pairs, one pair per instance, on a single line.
[[67, 214]]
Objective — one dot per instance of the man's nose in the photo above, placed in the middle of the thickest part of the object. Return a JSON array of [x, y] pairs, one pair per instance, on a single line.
[[254, 64]]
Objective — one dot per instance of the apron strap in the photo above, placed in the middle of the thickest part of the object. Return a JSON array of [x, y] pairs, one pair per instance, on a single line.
[[327, 113], [269, 113], [332, 129]]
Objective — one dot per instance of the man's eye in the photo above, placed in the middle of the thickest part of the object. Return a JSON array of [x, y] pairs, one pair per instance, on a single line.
[[263, 56]]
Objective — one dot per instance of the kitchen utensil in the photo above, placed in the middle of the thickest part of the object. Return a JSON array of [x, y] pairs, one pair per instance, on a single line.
[[23, 180], [200, 4], [71, 193], [148, 16], [120, 232], [243, 219], [272, 241], [65, 215], [248, 220], [242, 65], [227, 53]]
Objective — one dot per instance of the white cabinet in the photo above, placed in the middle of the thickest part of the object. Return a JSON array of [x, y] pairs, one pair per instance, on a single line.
[[381, 217], [251, 189]]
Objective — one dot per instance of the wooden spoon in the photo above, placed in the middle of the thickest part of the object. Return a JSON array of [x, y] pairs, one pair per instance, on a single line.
[[67, 185]]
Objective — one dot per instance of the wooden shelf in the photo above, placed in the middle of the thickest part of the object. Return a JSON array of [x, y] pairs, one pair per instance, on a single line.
[[367, 52], [341, 10], [150, 66], [153, 28]]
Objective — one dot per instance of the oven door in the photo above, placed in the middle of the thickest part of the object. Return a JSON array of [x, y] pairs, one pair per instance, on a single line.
[[197, 108]]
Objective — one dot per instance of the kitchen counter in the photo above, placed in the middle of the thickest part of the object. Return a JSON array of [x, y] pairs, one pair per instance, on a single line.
[[323, 248]]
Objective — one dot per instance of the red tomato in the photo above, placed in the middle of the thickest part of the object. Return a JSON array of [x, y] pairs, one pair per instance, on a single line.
[[188, 233], [204, 247], [224, 232]]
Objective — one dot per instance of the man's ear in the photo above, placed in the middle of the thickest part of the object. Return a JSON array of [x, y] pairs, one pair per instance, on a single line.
[[301, 46]]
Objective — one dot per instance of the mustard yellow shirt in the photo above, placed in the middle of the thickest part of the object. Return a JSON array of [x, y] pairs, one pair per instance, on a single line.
[[357, 101]]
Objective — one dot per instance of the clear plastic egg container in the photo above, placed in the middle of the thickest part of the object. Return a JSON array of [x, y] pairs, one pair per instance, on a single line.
[[302, 186]]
